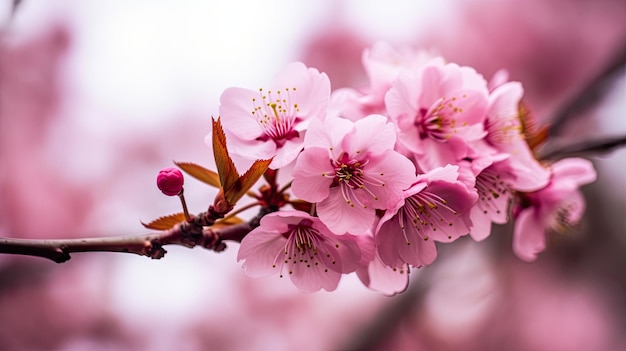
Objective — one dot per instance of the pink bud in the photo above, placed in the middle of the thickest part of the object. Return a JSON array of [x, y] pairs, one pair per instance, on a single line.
[[170, 181]]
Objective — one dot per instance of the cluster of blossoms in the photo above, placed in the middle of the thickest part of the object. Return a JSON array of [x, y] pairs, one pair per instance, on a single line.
[[428, 152]]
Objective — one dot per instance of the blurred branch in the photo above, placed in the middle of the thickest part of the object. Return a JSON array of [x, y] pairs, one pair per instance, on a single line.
[[601, 146], [373, 335], [16, 4], [590, 93], [188, 234]]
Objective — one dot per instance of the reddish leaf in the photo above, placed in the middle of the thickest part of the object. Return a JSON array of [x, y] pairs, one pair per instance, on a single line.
[[301, 205], [165, 222], [200, 173], [246, 181], [535, 136], [227, 222], [225, 167]]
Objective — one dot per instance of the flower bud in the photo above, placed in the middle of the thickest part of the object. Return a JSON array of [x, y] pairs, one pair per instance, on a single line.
[[170, 181]]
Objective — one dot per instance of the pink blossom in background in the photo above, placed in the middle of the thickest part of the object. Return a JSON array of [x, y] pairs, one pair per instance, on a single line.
[[364, 172], [295, 244], [556, 207], [271, 122], [31, 97]]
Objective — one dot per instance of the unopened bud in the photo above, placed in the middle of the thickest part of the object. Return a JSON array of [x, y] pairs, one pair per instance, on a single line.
[[170, 181]]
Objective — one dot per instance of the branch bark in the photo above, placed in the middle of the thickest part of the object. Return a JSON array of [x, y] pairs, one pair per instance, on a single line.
[[196, 232], [596, 146]]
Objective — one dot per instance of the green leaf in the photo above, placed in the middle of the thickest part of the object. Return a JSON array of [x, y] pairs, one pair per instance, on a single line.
[[165, 222], [200, 173]]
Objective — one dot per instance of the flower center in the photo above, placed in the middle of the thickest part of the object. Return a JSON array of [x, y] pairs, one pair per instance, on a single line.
[[426, 211], [302, 246], [438, 122], [504, 130], [277, 114], [490, 189], [350, 177]]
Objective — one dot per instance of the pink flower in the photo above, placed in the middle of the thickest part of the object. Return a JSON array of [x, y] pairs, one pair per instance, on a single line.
[[436, 207], [557, 206], [505, 134], [297, 244], [438, 110], [272, 122], [377, 276], [170, 181], [382, 64], [496, 180], [350, 169]]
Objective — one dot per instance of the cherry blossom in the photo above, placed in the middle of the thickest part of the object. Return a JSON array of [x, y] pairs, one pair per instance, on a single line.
[[349, 169], [505, 134], [438, 110], [272, 122], [376, 275], [296, 244], [382, 63], [557, 206], [436, 207]]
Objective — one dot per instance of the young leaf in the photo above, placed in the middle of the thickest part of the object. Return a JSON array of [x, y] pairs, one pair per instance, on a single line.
[[225, 167], [246, 181], [200, 173], [227, 222], [165, 222]]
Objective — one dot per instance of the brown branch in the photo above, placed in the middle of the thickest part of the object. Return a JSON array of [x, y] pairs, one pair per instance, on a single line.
[[151, 245], [601, 146], [195, 232]]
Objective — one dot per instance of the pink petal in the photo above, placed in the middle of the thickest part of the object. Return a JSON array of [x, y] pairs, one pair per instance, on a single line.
[[481, 224], [328, 134], [288, 153], [394, 249], [259, 250], [313, 175], [314, 278], [342, 218], [436, 154], [373, 133], [312, 92], [393, 170], [390, 281], [529, 235], [579, 170], [504, 100], [236, 108]]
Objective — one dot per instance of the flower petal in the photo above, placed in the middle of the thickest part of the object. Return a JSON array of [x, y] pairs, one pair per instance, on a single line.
[[340, 217], [313, 175]]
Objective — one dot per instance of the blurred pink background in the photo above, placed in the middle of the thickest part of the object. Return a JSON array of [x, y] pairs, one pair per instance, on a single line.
[[97, 96]]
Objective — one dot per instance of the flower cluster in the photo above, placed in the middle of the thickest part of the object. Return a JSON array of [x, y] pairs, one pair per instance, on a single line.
[[428, 152]]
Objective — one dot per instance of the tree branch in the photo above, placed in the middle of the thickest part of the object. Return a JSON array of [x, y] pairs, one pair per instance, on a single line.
[[598, 146], [590, 93], [196, 232]]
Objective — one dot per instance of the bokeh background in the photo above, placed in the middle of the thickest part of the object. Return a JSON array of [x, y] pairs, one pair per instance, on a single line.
[[96, 96]]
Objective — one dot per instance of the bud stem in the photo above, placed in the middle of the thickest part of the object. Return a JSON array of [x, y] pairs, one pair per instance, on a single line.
[[181, 196]]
